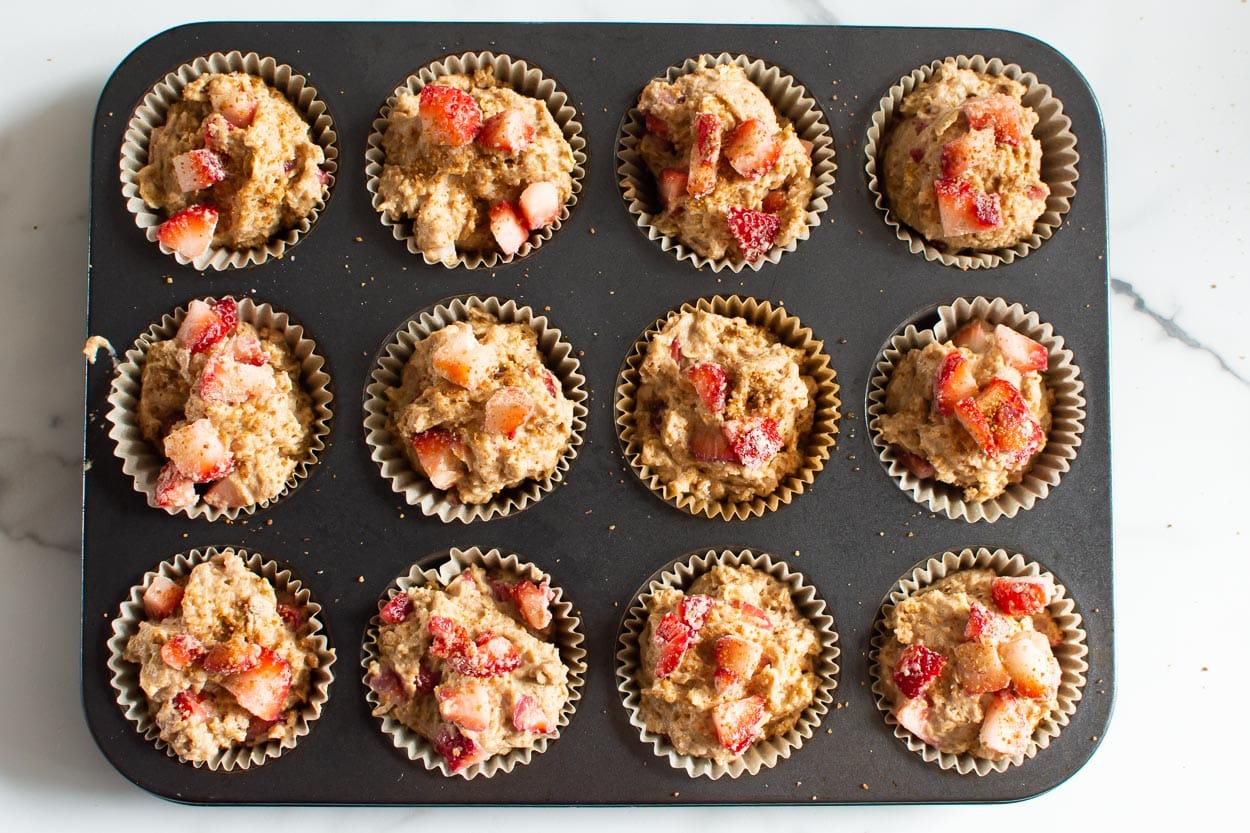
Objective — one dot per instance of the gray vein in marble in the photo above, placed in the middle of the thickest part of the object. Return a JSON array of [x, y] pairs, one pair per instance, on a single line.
[[817, 12], [40, 496], [1171, 328]]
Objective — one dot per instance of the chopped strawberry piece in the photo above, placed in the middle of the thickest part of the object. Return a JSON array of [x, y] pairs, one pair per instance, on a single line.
[[985, 625], [182, 650], [192, 705], [693, 611], [1038, 192], [975, 423], [233, 656], [916, 670], [262, 690], [658, 126], [673, 185], [388, 685], [396, 609], [708, 444], [258, 730], [975, 335], [965, 210], [460, 359], [490, 656], [293, 616], [673, 637], [448, 116], [206, 324], [710, 383], [724, 681], [953, 381], [458, 750], [507, 227], [774, 202], [737, 655], [509, 131], [1022, 596], [173, 489], [957, 156], [228, 492], [1022, 352], [754, 231], [198, 452], [216, 132], [913, 715], [1002, 112], [1005, 728], [674, 350], [979, 669], [426, 679], [1032, 665], [540, 204], [755, 441], [449, 639], [197, 169], [1016, 434], [528, 716], [161, 598], [189, 231], [739, 723], [914, 463], [704, 155], [533, 601], [235, 103], [917, 155], [323, 177], [752, 149], [466, 704], [249, 350], [500, 590], [437, 452], [550, 383], [225, 380], [507, 410], [757, 617]]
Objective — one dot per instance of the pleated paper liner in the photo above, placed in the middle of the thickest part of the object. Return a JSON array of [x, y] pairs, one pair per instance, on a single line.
[[1067, 412], [416, 489], [566, 636], [1059, 161], [143, 461], [125, 675], [525, 79], [789, 98], [1071, 654], [681, 574], [817, 445], [152, 113]]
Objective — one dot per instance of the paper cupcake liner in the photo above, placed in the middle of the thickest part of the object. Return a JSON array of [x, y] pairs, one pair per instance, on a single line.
[[1059, 160], [125, 675], [789, 98], [681, 574], [153, 112], [820, 437], [566, 634], [1067, 412], [143, 461], [527, 80], [1071, 654], [416, 489]]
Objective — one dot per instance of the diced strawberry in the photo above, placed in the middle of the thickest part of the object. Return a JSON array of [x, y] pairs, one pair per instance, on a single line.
[[449, 639], [710, 383], [737, 655], [752, 149], [724, 681], [1005, 728], [1022, 596], [1032, 665], [673, 185], [448, 116], [917, 155], [979, 669], [1017, 435], [1022, 352], [914, 463], [673, 638], [396, 609], [704, 155], [693, 611], [1002, 112], [533, 601], [754, 440], [235, 103], [916, 670], [181, 650], [458, 750], [189, 231], [739, 723], [774, 202], [756, 616], [198, 452], [197, 169], [460, 359], [965, 210], [262, 690], [1038, 192], [528, 716], [708, 444], [426, 679], [172, 488], [192, 705], [957, 156], [228, 492], [985, 625], [754, 231], [225, 380], [323, 177], [975, 335], [953, 381], [293, 615], [974, 422], [674, 350], [216, 132], [161, 598], [540, 204], [508, 131], [436, 451], [258, 730], [206, 324], [490, 656], [249, 350], [913, 715], [233, 656], [507, 227], [465, 704], [657, 125], [550, 383], [500, 590], [388, 685], [507, 410]]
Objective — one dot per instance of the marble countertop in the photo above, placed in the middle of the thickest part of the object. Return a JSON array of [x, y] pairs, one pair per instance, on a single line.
[[1176, 120]]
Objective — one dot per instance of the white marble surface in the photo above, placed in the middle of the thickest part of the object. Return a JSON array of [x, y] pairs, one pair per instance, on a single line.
[[1171, 82]]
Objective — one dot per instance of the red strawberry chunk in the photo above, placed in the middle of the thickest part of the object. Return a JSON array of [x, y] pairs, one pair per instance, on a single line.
[[173, 489], [182, 650], [739, 723], [673, 638], [917, 155], [228, 492], [756, 616], [437, 452], [673, 183], [396, 609], [953, 382], [533, 601], [216, 132], [198, 452], [1020, 351], [448, 116], [965, 210], [752, 149], [710, 383], [1001, 112], [693, 611], [262, 690], [979, 669], [388, 685], [754, 231], [913, 715], [1021, 596], [774, 202], [206, 324], [1005, 727], [724, 681], [540, 204], [458, 750], [914, 463], [974, 422], [467, 705], [708, 444], [192, 706], [258, 729], [704, 155], [249, 350], [1016, 434], [490, 656], [460, 359], [507, 227], [161, 598], [507, 410], [975, 335], [916, 669], [189, 231], [657, 125], [225, 380], [235, 103], [233, 656], [957, 156], [509, 131], [528, 716], [196, 169], [449, 639], [755, 441], [1038, 192], [1032, 665], [737, 655], [292, 615], [426, 679], [985, 625]]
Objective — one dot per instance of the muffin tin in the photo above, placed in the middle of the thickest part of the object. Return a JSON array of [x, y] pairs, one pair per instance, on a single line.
[[852, 534]]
